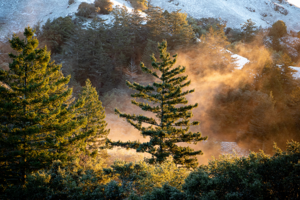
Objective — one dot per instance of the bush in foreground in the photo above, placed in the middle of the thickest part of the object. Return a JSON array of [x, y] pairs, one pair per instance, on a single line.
[[257, 176], [92, 181]]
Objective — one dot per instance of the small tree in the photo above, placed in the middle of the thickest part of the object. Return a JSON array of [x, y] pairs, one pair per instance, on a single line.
[[172, 123], [95, 114], [278, 29], [248, 30]]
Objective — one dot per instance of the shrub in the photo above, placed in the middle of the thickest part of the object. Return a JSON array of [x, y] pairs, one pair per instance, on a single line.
[[106, 6], [139, 4], [278, 29], [257, 176], [71, 2], [86, 10]]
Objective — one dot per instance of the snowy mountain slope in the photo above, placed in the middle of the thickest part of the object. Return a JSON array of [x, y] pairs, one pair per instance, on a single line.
[[263, 12], [16, 14], [295, 2]]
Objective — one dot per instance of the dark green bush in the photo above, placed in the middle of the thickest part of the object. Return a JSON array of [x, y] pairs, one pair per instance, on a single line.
[[106, 6], [55, 33], [257, 176], [278, 29], [86, 10]]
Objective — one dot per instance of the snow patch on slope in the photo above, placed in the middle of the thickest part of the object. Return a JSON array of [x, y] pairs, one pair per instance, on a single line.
[[240, 61], [296, 74], [15, 15], [263, 12]]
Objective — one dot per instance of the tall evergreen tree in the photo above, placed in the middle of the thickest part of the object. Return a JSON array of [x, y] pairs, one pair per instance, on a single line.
[[172, 123], [93, 111], [37, 115]]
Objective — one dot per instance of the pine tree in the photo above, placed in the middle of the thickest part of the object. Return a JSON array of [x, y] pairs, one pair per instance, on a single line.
[[37, 112], [178, 26], [157, 24], [249, 30], [172, 123], [93, 111]]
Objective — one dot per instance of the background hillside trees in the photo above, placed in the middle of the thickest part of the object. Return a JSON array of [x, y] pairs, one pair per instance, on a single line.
[[56, 33], [249, 30], [229, 177]]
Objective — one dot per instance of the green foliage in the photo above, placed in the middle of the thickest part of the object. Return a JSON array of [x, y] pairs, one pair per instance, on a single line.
[[56, 33], [173, 27], [143, 177], [106, 6], [89, 54], [255, 177], [86, 10], [92, 181], [93, 111], [106, 50], [249, 30], [167, 192], [139, 4], [173, 122], [196, 28], [278, 29], [151, 48], [65, 182], [202, 26], [234, 35], [37, 116]]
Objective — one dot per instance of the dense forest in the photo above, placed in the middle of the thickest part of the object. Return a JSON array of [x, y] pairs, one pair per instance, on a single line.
[[174, 80]]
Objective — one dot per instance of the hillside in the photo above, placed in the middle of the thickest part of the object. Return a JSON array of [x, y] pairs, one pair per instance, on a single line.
[[16, 14]]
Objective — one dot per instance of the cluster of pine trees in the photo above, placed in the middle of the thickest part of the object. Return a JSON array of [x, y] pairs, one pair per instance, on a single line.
[[43, 124], [105, 53], [40, 121]]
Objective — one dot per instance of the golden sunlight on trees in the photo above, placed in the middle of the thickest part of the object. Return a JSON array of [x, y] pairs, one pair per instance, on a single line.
[[172, 123]]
